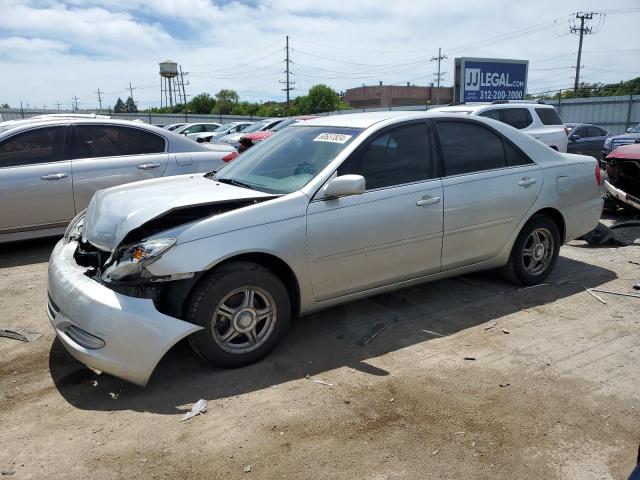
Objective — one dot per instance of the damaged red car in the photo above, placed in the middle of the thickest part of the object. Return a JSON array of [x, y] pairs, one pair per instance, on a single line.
[[623, 172]]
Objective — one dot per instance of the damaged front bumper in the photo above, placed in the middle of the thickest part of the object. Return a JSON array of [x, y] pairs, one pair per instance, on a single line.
[[105, 330], [622, 196]]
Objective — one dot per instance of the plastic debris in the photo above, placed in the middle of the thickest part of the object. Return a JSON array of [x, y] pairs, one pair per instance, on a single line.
[[196, 409], [20, 335], [247, 468], [435, 452], [506, 332], [597, 297], [392, 400], [322, 382], [504, 384], [113, 395], [373, 333], [622, 294], [491, 325]]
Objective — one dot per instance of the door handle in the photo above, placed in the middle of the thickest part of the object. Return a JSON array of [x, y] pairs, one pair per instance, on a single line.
[[427, 201], [148, 166], [55, 176], [526, 181]]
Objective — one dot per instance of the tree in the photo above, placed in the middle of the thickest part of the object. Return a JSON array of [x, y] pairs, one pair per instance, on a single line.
[[202, 103], [321, 98], [226, 100], [130, 106], [5, 105], [119, 106]]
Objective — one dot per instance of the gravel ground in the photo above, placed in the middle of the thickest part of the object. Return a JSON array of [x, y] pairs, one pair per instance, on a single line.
[[550, 388]]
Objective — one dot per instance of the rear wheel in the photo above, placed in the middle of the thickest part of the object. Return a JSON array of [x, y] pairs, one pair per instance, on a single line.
[[243, 309], [534, 252]]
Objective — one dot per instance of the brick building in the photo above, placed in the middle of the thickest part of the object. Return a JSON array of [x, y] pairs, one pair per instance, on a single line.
[[396, 96]]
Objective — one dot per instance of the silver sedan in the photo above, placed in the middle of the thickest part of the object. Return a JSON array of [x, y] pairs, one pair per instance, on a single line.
[[327, 211], [50, 169]]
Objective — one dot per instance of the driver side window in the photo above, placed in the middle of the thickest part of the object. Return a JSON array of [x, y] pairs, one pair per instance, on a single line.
[[395, 157]]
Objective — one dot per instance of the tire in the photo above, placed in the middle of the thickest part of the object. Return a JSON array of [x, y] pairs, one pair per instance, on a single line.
[[534, 267], [223, 306]]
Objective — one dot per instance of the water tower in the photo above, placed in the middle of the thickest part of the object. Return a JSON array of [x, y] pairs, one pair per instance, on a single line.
[[170, 84]]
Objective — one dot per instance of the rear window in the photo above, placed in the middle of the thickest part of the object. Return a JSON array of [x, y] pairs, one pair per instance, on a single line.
[[517, 117], [548, 116]]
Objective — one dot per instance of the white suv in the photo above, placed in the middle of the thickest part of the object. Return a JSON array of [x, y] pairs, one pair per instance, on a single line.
[[540, 121]]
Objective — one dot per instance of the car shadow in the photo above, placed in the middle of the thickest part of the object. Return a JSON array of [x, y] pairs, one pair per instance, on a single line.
[[326, 340], [27, 252]]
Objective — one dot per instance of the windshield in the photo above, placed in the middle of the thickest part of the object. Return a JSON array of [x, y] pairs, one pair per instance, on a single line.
[[635, 129], [173, 127], [224, 128], [285, 123], [257, 126], [289, 160]]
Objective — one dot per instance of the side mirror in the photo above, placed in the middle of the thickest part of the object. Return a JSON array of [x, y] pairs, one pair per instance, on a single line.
[[345, 185], [575, 137]]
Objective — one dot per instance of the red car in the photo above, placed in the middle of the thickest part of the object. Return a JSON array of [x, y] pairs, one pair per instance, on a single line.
[[623, 172], [250, 139]]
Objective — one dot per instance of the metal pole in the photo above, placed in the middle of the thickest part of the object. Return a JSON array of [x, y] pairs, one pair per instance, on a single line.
[[184, 95], [629, 111], [288, 89], [21, 109], [559, 100]]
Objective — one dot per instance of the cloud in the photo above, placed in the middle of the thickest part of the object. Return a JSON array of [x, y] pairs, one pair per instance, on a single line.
[[58, 48]]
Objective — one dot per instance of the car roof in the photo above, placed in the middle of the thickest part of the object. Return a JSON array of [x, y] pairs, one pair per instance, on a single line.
[[359, 120], [474, 107], [83, 121]]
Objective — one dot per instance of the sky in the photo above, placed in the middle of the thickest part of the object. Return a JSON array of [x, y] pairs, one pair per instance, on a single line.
[[51, 50]]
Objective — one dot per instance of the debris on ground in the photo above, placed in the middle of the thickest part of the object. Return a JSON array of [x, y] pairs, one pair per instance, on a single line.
[[392, 400], [469, 358], [247, 468], [373, 333], [94, 383], [491, 325], [597, 297], [200, 407], [610, 292], [617, 315], [8, 472], [435, 452], [603, 235], [20, 335], [505, 331], [113, 395], [322, 382], [504, 384]]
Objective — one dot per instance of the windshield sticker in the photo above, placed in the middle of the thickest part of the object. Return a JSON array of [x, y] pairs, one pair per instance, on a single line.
[[332, 137]]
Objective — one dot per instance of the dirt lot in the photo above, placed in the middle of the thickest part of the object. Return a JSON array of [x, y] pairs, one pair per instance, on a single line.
[[553, 390]]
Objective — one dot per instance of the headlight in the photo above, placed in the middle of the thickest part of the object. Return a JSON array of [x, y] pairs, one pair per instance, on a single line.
[[74, 230], [133, 259], [607, 143]]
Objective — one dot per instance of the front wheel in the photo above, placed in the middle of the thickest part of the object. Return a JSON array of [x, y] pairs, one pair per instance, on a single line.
[[534, 252], [243, 309]]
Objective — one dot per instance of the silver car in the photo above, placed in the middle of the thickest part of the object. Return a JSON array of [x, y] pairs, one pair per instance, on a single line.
[[327, 211], [49, 170]]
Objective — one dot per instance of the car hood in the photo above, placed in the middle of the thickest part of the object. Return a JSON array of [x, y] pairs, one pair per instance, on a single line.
[[114, 212]]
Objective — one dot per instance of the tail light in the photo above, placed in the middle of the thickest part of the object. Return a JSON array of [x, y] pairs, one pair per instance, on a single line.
[[227, 158], [598, 174]]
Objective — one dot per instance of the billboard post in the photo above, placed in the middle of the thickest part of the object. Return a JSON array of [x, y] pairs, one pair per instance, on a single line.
[[490, 79]]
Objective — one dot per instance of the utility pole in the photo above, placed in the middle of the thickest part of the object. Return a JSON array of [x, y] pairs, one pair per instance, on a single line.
[[184, 95], [99, 93], [131, 89], [75, 103], [58, 105], [440, 74], [581, 30], [287, 83]]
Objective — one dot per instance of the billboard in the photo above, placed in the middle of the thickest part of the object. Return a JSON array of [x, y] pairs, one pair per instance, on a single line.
[[490, 79]]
